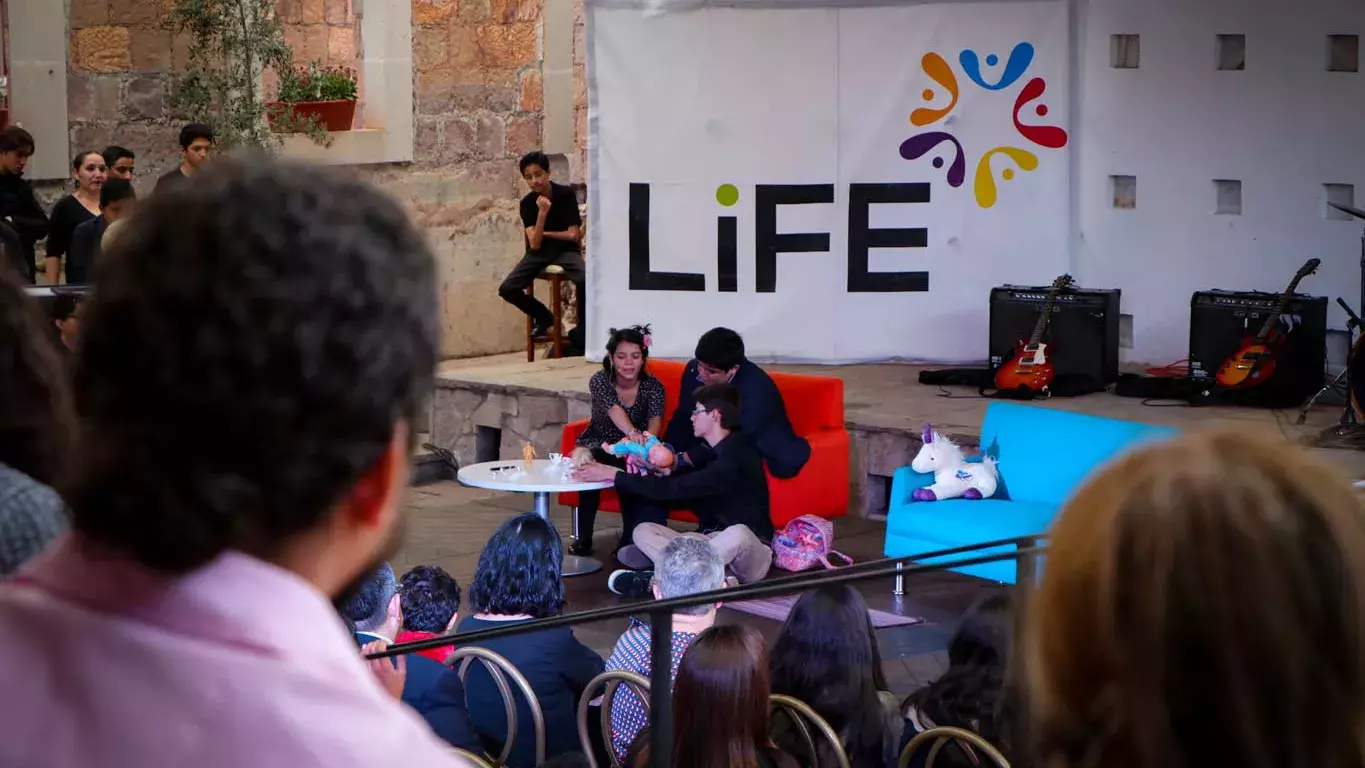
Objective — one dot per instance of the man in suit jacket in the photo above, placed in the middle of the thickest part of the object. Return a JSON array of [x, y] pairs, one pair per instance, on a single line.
[[434, 690]]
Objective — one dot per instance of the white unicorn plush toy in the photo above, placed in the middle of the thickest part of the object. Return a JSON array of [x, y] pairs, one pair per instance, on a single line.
[[953, 475]]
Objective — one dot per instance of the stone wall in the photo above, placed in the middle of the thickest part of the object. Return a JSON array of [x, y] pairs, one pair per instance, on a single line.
[[479, 105]]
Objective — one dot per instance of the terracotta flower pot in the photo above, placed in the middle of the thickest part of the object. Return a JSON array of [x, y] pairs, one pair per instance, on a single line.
[[333, 115]]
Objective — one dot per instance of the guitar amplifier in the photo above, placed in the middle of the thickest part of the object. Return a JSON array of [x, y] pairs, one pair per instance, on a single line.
[[1084, 329], [1220, 321]]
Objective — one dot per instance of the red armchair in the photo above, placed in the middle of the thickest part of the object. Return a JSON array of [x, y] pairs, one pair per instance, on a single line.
[[815, 405]]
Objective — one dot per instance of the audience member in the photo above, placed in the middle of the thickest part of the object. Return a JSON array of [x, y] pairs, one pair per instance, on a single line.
[[721, 708], [66, 317], [728, 493], [435, 691], [196, 140], [290, 313], [688, 565], [35, 419], [518, 579], [18, 205], [626, 402], [719, 358], [553, 237], [826, 656], [117, 202], [975, 692], [431, 607], [82, 205], [1202, 604], [120, 162]]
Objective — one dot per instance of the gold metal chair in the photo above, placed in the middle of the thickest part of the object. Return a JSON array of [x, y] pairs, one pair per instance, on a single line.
[[613, 680], [478, 760], [802, 717], [942, 735], [499, 668]]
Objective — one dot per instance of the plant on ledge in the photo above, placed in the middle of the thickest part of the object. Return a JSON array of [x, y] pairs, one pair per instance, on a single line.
[[314, 99], [232, 44]]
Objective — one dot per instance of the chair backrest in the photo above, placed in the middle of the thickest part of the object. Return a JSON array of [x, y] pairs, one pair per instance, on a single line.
[[1046, 453], [803, 718], [478, 760], [500, 669], [669, 372], [612, 680], [935, 738]]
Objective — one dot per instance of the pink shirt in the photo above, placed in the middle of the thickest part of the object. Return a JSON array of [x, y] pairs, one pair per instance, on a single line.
[[239, 663]]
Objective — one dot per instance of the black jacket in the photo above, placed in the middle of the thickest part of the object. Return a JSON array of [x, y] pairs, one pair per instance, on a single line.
[[762, 417], [437, 694], [26, 216], [728, 489]]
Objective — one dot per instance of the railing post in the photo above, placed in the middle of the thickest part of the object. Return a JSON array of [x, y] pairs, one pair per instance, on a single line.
[[661, 689], [900, 581], [1026, 566]]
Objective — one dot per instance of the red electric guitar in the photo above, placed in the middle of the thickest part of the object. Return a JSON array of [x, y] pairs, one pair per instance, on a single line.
[[1031, 369], [1254, 361]]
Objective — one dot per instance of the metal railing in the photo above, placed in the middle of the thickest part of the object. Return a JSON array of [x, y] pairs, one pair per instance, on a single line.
[[1026, 550]]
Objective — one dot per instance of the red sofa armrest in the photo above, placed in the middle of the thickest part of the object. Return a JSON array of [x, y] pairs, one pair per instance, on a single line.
[[821, 488]]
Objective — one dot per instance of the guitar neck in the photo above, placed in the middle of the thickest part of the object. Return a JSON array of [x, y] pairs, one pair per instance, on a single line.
[[1274, 316], [1043, 319]]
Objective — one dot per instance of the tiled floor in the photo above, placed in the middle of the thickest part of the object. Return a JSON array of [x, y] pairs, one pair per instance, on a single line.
[[447, 525]]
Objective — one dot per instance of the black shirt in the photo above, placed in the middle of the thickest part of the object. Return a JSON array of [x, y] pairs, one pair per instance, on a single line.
[[67, 214], [26, 217], [649, 402], [730, 489], [85, 251], [169, 180], [562, 215]]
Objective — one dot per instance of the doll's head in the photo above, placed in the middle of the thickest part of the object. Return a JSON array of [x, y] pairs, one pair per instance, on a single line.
[[660, 456]]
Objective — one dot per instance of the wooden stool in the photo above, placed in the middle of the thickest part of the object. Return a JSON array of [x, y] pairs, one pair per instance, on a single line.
[[555, 338]]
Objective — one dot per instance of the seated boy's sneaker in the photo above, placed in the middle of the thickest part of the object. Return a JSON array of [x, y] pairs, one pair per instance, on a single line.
[[627, 583]]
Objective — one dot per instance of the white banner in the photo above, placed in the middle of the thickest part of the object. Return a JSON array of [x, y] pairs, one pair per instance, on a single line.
[[837, 184]]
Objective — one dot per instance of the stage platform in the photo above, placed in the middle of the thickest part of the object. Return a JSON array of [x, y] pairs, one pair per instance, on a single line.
[[485, 409]]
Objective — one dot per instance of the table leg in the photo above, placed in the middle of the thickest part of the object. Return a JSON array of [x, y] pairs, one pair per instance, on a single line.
[[573, 564]]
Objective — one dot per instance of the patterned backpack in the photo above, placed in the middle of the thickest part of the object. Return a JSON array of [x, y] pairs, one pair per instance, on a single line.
[[804, 543]]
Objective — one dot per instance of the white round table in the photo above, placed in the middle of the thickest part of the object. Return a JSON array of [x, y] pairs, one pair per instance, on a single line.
[[544, 478]]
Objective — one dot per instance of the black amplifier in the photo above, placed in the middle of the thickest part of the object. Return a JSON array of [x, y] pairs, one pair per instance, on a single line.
[[1083, 332], [1221, 320]]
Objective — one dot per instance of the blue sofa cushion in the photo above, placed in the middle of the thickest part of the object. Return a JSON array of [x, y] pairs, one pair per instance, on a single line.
[[956, 522]]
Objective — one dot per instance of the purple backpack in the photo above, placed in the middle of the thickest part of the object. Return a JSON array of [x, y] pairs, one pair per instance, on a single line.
[[805, 542]]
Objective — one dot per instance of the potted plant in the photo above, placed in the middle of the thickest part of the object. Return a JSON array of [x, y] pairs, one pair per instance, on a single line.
[[314, 95]]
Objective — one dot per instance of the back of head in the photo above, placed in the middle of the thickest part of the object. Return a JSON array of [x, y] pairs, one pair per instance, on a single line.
[[430, 597], [1202, 605], [367, 605], [115, 190], [287, 311], [519, 570], [34, 405], [720, 700], [720, 348], [689, 565]]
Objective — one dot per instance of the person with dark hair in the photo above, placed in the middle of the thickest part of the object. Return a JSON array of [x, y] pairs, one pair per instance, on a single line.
[[553, 236], [120, 161], [374, 611], [289, 311], [82, 205], [516, 580], [19, 207], [35, 424], [196, 141], [66, 308], [431, 607], [117, 202], [719, 358], [975, 692], [721, 707], [729, 495], [626, 402], [826, 655]]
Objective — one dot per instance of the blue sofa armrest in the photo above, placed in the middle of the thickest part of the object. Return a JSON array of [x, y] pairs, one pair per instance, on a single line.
[[904, 483]]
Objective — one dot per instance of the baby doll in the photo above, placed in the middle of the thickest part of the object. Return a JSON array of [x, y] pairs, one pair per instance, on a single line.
[[652, 453]]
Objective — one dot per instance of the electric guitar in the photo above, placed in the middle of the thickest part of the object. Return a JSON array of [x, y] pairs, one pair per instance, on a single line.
[[1254, 361], [1031, 369]]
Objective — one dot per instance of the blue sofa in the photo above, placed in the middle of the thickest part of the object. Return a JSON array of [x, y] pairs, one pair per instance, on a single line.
[[1044, 454]]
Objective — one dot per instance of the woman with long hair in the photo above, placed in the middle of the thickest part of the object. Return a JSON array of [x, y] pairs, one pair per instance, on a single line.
[[721, 707], [83, 204], [975, 692], [35, 423], [826, 656], [627, 402], [1203, 603], [518, 579]]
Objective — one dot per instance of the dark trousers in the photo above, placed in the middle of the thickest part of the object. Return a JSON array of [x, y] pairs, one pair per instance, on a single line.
[[513, 288], [637, 509], [585, 514]]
